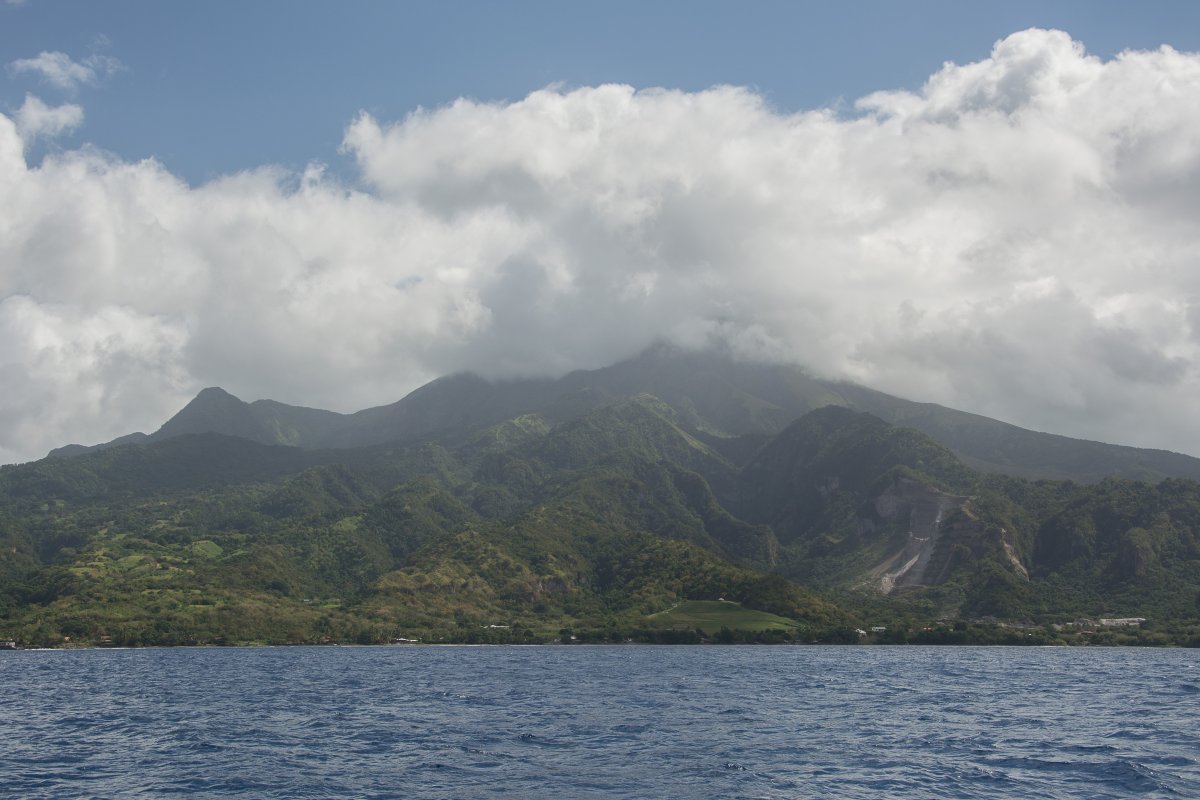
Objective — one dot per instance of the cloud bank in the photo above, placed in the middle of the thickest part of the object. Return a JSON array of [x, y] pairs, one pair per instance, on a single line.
[[1017, 238]]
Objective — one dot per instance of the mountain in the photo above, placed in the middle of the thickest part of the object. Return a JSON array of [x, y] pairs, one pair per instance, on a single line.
[[858, 502], [596, 516], [594, 523], [595, 504], [266, 421], [726, 402], [993, 446], [214, 410]]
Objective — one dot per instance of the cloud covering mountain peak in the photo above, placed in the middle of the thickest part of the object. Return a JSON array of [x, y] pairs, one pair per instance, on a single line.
[[1016, 238]]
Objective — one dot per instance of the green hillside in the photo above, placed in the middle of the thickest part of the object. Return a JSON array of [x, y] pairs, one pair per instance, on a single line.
[[591, 524], [711, 616], [628, 520]]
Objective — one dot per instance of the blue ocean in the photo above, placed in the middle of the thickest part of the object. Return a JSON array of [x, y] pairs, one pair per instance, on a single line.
[[601, 722]]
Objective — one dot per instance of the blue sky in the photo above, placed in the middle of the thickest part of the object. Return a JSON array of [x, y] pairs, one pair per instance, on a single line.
[[216, 87], [986, 205]]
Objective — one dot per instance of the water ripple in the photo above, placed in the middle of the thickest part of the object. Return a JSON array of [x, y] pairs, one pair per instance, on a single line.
[[603, 722]]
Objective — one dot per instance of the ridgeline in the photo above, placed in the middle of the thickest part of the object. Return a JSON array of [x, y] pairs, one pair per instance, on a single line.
[[677, 497]]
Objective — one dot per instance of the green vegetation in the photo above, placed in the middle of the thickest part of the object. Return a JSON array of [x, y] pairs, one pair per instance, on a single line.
[[711, 616], [590, 521]]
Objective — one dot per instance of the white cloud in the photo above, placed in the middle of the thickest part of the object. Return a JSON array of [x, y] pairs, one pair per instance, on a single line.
[[35, 119], [70, 366], [60, 70], [1017, 238]]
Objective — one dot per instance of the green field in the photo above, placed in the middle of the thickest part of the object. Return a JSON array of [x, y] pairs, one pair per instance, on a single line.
[[711, 616]]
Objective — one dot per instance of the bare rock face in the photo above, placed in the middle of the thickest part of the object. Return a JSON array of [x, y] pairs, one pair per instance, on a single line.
[[942, 533], [926, 509]]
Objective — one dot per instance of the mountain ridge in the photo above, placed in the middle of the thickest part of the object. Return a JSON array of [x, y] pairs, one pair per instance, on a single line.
[[714, 396], [594, 525]]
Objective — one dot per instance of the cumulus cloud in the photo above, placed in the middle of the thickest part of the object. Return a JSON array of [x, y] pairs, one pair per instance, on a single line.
[[34, 119], [1017, 238], [60, 70]]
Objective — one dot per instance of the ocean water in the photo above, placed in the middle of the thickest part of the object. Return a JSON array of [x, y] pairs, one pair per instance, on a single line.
[[601, 722]]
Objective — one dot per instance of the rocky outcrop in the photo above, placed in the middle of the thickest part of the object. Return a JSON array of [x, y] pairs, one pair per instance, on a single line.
[[943, 533], [925, 508]]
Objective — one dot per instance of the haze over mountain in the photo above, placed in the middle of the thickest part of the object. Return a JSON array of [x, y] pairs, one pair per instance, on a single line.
[[714, 395]]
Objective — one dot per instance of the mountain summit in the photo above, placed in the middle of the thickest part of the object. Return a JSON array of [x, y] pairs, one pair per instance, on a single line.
[[713, 395]]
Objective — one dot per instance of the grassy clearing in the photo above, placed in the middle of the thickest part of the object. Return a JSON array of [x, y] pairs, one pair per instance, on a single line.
[[712, 615], [207, 548]]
